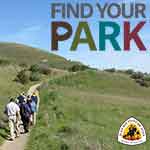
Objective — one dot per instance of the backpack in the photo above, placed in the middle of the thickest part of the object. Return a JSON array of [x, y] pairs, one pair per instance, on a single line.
[[33, 106], [25, 110], [34, 98]]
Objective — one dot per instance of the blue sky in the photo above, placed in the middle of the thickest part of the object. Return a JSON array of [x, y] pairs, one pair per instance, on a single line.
[[28, 22]]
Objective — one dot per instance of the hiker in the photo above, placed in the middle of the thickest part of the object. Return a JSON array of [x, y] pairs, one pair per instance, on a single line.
[[34, 99], [12, 110], [25, 112], [33, 110], [21, 97]]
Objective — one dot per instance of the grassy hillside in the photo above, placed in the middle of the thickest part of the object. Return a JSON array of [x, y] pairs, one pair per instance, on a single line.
[[84, 111], [22, 54], [12, 56], [80, 111]]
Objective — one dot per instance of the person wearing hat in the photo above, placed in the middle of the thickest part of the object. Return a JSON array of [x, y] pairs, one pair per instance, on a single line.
[[34, 98], [12, 110], [25, 112], [21, 97], [34, 107]]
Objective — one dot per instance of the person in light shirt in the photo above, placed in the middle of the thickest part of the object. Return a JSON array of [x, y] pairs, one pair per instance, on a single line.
[[12, 110]]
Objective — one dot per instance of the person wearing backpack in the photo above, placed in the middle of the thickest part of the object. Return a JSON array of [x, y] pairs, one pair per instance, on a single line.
[[33, 110], [25, 112], [34, 98], [35, 101], [21, 97]]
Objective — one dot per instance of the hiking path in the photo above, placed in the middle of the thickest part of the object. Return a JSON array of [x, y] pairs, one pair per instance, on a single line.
[[20, 143]]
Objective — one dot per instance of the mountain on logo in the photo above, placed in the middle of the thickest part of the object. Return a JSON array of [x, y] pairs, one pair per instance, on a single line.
[[132, 132]]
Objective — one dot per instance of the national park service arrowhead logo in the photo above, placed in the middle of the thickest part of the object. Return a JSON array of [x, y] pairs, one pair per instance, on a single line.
[[132, 132]]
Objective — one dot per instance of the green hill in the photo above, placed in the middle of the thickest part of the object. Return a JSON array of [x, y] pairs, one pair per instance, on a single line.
[[84, 111], [79, 111], [22, 54], [12, 58]]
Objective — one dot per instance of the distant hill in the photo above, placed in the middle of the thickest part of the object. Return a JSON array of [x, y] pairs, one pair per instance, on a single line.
[[19, 54], [105, 83]]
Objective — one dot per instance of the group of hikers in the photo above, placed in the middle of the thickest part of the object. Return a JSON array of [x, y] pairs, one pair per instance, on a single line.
[[21, 110]]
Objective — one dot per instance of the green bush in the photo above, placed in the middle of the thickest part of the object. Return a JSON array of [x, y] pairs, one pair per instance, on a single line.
[[110, 70], [35, 76], [129, 71], [4, 62], [78, 67], [147, 78], [141, 82], [23, 65], [137, 75], [35, 68], [22, 77], [64, 146], [44, 69]]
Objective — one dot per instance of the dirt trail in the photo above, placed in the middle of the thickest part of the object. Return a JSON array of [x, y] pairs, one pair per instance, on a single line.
[[20, 143]]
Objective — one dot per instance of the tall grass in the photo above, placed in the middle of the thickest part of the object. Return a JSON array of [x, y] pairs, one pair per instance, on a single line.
[[8, 88], [83, 118]]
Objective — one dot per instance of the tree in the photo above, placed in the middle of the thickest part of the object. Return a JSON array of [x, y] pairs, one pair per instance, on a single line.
[[22, 77], [35, 68], [35, 76]]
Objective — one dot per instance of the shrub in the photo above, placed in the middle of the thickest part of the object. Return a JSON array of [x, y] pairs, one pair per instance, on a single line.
[[35, 68], [111, 70], [142, 82], [147, 78], [22, 77], [78, 67], [137, 75], [23, 65], [4, 62], [129, 71], [35, 76], [64, 146]]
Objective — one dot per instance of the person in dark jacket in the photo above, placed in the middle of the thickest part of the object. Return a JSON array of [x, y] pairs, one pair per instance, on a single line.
[[25, 112], [21, 98]]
